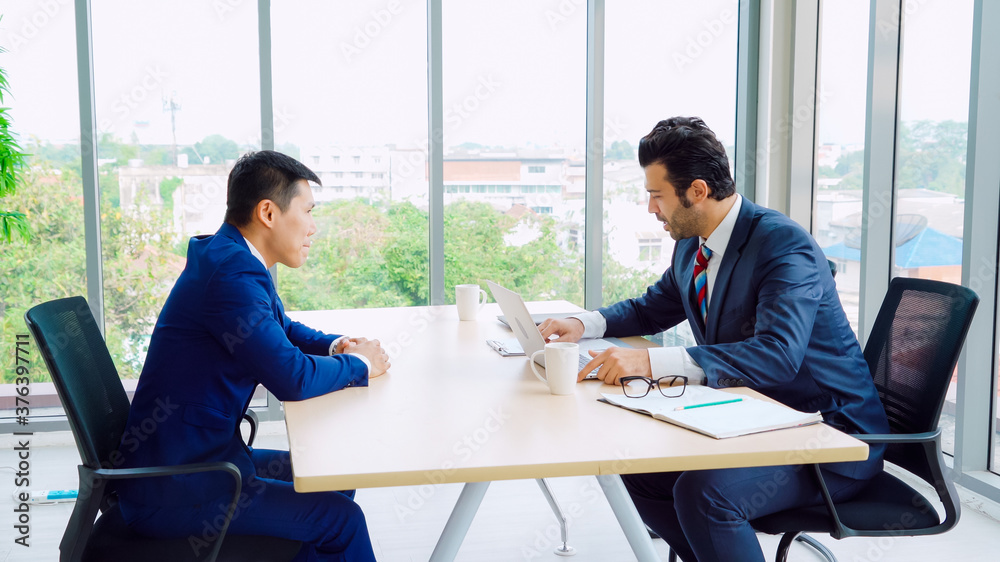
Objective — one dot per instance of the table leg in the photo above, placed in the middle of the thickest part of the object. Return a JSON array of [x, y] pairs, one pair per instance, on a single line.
[[628, 517], [459, 521]]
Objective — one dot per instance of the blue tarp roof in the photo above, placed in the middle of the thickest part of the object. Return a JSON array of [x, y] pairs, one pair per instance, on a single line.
[[928, 249]]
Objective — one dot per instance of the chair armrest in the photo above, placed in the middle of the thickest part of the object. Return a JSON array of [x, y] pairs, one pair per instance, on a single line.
[[150, 471], [251, 416], [154, 471], [898, 437], [930, 444]]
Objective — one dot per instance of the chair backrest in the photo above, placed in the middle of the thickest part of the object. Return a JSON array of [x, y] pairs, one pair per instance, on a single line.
[[84, 375], [913, 349]]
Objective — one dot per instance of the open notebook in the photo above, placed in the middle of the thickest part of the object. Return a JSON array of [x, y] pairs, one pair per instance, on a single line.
[[748, 415]]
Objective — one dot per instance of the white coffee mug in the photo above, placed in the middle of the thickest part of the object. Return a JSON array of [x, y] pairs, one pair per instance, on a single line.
[[469, 298], [562, 364]]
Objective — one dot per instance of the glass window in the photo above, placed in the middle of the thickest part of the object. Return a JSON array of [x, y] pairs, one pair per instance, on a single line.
[[929, 214], [646, 71], [351, 78], [43, 108], [840, 144], [167, 143], [514, 107]]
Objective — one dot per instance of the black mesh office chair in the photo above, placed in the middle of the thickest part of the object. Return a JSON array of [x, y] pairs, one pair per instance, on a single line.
[[97, 408], [912, 353]]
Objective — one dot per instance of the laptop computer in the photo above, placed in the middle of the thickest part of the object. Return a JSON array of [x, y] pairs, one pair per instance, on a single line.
[[528, 335], [539, 318]]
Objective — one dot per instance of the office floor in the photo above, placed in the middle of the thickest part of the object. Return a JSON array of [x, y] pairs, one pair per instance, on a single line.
[[513, 524]]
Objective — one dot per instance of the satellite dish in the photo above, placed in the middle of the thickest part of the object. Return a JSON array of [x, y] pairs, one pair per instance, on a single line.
[[906, 227]]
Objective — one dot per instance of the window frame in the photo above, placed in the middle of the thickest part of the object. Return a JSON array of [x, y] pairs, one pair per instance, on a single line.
[[978, 364]]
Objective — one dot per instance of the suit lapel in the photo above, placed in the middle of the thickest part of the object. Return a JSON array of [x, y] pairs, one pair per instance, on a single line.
[[684, 264], [732, 254]]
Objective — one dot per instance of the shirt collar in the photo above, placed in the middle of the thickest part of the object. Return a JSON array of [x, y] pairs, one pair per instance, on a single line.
[[718, 241]]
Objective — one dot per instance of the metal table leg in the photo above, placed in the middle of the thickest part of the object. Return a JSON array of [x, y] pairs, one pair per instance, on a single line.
[[565, 549], [628, 517], [459, 521]]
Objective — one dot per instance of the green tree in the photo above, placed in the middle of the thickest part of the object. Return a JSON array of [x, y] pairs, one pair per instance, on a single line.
[[851, 167], [620, 150], [167, 189], [346, 266], [932, 156], [289, 149], [109, 147], [369, 256], [217, 149], [139, 267], [11, 165]]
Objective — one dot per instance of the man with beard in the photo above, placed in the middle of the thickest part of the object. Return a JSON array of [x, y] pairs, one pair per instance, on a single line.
[[762, 305]]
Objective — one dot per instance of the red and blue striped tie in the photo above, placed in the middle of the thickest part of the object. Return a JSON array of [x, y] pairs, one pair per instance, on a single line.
[[701, 279]]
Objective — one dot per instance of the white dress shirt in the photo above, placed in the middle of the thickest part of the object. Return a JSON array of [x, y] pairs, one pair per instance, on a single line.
[[333, 345], [664, 361]]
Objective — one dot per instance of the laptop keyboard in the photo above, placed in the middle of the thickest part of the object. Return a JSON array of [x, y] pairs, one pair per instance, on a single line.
[[584, 359]]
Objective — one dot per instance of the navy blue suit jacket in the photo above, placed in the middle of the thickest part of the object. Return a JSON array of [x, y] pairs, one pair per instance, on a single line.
[[222, 331], [775, 324]]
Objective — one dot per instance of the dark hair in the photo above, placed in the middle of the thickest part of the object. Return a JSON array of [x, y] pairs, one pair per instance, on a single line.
[[265, 174], [688, 149]]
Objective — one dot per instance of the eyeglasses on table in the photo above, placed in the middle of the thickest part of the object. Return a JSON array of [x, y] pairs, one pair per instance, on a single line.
[[671, 386]]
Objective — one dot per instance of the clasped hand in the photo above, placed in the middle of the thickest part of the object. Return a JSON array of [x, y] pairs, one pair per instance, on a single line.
[[614, 362], [371, 350]]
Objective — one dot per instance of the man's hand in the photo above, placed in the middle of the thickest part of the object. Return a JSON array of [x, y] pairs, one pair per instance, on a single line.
[[343, 344], [372, 350], [617, 362], [568, 330]]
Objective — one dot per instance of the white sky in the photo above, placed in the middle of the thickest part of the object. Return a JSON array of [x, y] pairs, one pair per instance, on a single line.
[[354, 73], [937, 43]]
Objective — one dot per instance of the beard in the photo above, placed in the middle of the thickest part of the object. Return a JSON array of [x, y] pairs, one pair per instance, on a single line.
[[684, 223]]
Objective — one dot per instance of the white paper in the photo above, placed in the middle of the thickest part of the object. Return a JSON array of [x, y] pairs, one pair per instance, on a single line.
[[749, 415]]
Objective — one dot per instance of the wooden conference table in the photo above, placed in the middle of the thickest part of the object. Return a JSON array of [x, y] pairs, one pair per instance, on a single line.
[[451, 409]]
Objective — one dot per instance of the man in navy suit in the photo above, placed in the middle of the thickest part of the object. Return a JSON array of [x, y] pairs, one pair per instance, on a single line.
[[222, 331], [765, 313]]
